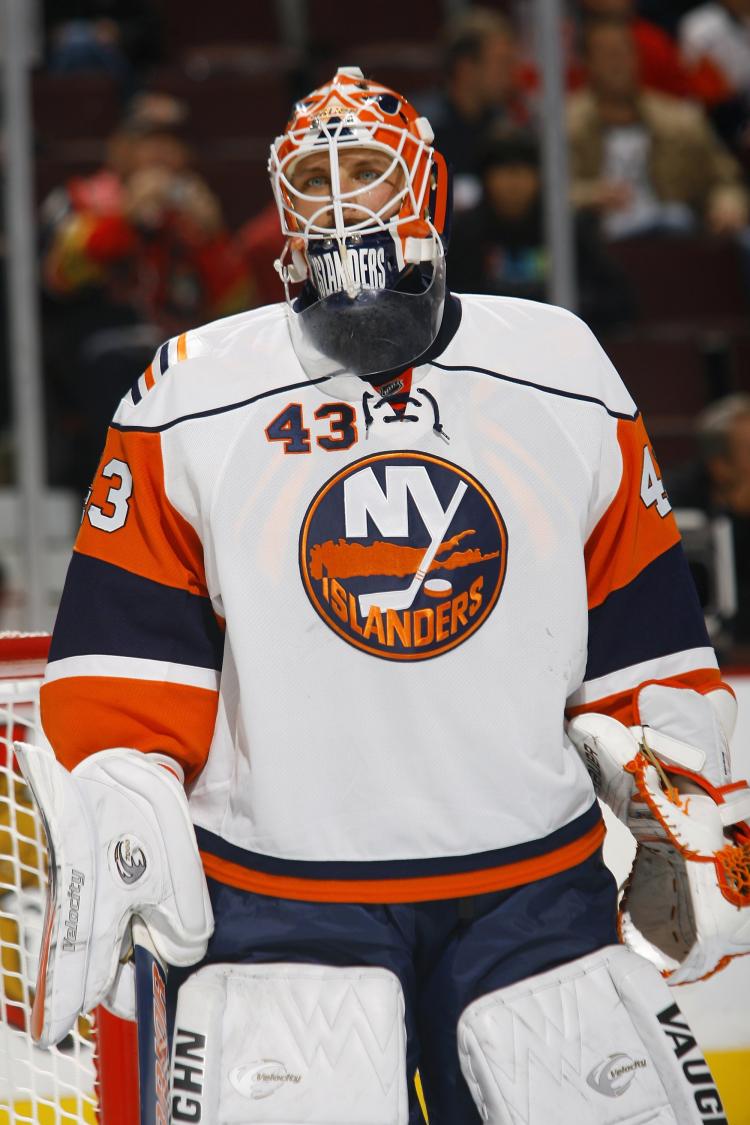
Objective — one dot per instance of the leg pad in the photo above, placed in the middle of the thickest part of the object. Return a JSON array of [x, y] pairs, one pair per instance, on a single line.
[[290, 1043], [598, 1041]]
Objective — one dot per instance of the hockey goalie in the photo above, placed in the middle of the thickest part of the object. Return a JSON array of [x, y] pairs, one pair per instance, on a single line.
[[376, 590]]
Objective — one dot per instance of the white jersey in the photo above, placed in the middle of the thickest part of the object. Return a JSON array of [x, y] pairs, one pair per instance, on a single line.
[[358, 618]]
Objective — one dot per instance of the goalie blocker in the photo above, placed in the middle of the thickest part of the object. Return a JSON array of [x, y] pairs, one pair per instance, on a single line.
[[120, 843]]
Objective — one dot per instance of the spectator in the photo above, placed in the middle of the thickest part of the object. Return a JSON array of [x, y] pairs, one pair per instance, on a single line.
[[645, 161], [121, 38], [151, 132], [481, 67], [718, 33], [499, 247], [661, 66], [148, 229], [719, 483], [133, 254]]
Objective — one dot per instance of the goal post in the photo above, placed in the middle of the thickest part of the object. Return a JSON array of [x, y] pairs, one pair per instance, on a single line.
[[92, 1076]]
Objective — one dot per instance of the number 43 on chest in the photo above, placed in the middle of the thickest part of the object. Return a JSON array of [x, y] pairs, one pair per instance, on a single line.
[[333, 427]]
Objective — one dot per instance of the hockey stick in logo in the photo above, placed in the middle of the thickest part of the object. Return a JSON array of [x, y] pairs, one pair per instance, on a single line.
[[151, 1016], [402, 599]]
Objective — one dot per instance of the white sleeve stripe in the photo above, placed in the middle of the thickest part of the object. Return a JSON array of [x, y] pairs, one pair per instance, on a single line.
[[132, 668], [624, 679]]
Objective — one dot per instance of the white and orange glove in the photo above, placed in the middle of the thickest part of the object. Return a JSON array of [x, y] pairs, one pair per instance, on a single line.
[[686, 903], [121, 844]]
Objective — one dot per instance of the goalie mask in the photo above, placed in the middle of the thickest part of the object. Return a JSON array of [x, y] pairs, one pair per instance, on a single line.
[[363, 200]]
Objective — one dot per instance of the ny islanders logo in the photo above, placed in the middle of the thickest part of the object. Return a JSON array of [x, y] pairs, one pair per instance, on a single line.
[[403, 555]]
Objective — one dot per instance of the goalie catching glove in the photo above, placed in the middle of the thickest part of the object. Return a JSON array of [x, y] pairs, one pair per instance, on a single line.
[[121, 843], [686, 905]]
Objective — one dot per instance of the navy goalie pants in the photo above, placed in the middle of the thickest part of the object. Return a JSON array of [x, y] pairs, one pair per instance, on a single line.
[[445, 953]]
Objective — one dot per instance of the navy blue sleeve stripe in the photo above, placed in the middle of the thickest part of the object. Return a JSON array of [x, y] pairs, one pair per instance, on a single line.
[[164, 357], [655, 615], [108, 611], [135, 391]]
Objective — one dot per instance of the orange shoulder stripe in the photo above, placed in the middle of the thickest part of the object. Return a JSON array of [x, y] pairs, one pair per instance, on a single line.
[[154, 541], [83, 714], [629, 535], [422, 889]]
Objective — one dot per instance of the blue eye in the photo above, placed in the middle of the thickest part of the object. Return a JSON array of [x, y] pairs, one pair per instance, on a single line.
[[388, 103]]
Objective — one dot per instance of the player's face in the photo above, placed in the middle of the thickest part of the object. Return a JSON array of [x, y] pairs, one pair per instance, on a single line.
[[360, 171]]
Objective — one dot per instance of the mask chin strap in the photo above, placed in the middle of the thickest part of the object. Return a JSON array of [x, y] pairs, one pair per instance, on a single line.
[[291, 267]]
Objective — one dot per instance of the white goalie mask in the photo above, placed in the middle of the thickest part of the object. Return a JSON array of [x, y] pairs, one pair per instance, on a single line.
[[363, 200]]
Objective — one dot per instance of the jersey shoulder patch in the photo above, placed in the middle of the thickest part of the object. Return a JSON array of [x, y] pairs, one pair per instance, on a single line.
[[167, 357]]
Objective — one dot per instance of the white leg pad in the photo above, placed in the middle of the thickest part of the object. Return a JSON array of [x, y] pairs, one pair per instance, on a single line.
[[598, 1041], [290, 1044]]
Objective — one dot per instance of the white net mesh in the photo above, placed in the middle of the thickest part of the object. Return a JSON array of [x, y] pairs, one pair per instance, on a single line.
[[54, 1085]]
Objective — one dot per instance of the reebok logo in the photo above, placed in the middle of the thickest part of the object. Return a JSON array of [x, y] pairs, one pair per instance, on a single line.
[[130, 860], [392, 388]]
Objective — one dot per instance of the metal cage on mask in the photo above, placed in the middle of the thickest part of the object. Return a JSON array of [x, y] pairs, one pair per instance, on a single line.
[[373, 270]]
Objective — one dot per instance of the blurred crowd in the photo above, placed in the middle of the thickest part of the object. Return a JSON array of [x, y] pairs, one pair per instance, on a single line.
[[161, 224], [132, 254]]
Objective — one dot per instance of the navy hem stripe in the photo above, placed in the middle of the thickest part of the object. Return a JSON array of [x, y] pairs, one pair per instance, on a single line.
[[108, 611], [657, 614], [398, 868], [537, 387]]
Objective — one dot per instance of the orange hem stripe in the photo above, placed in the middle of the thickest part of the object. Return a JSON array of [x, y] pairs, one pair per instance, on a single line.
[[182, 346], [424, 889]]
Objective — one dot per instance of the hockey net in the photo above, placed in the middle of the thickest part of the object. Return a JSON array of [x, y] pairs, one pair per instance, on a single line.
[[91, 1075]]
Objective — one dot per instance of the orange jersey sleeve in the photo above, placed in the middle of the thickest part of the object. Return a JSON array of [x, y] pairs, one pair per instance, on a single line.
[[137, 649], [645, 621]]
